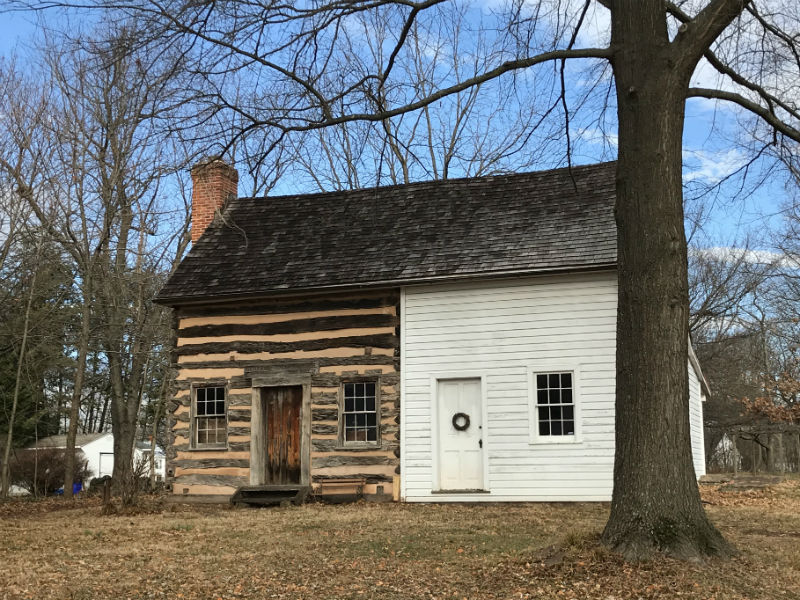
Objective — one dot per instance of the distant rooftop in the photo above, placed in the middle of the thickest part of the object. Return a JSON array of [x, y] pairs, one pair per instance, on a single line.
[[60, 441]]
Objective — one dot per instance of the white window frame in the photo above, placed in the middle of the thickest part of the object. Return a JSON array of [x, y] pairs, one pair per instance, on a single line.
[[194, 444], [533, 414], [362, 379]]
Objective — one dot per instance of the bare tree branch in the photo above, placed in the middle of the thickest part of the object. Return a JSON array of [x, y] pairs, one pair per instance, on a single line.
[[767, 115]]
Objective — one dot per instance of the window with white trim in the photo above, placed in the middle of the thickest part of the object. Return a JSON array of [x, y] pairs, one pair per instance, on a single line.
[[555, 404], [210, 420], [359, 416]]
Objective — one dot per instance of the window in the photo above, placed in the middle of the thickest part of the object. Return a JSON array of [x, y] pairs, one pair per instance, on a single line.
[[210, 423], [359, 416], [555, 404]]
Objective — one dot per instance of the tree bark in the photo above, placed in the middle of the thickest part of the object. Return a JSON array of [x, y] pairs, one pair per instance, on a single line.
[[103, 414], [656, 506], [756, 456], [770, 453]]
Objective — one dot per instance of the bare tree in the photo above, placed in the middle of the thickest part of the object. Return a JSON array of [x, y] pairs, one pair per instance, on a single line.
[[117, 97], [654, 48], [481, 130], [89, 168], [722, 281]]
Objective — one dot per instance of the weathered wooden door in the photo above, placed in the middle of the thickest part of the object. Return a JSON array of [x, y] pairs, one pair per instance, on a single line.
[[283, 406], [460, 434]]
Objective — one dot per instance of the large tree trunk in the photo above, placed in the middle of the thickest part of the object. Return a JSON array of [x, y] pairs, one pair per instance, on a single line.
[[656, 504], [124, 439], [127, 381]]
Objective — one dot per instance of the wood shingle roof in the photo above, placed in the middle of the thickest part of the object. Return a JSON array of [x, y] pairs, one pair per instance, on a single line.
[[430, 231]]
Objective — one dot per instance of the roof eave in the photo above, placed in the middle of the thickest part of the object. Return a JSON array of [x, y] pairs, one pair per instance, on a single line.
[[345, 287], [698, 371]]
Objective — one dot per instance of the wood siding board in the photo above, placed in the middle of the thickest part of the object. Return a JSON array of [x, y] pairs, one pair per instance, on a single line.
[[219, 480], [385, 341], [325, 414], [232, 447], [202, 374], [239, 414], [220, 471], [289, 306], [354, 368], [290, 337], [193, 454], [324, 400], [301, 325], [320, 462], [332, 446], [211, 463], [348, 473], [331, 353], [324, 429], [213, 369]]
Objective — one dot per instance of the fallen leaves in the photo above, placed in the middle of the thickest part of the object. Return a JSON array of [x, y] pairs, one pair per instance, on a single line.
[[385, 552]]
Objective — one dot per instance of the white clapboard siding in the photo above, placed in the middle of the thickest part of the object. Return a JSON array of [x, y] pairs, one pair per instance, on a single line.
[[696, 423], [499, 330]]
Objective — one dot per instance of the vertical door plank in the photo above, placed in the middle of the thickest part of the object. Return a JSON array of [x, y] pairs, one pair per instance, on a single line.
[[283, 435]]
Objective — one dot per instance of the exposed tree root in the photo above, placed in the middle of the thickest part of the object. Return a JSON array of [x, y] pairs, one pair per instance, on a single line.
[[684, 540]]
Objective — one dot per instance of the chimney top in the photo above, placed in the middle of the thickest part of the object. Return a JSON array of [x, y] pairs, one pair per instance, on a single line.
[[214, 182]]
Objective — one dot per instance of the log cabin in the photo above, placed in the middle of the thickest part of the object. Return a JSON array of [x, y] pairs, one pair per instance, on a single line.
[[440, 341]]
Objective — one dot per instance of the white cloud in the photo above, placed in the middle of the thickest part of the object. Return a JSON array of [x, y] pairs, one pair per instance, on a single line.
[[596, 30], [711, 167], [595, 135], [733, 254]]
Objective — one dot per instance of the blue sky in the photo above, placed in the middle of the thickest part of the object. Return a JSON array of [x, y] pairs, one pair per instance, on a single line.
[[707, 158], [15, 29]]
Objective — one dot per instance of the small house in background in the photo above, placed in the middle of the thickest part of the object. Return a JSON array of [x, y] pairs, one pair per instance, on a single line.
[[436, 342], [98, 449]]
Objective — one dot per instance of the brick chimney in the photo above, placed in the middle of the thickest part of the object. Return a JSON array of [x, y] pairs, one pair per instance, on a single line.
[[214, 182]]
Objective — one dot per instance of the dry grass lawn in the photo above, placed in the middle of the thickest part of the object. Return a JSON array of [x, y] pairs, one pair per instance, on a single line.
[[53, 549]]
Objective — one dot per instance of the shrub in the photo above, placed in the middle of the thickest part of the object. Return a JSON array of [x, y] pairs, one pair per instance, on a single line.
[[41, 471]]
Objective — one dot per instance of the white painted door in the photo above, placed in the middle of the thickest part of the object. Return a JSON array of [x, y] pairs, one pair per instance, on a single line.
[[460, 434]]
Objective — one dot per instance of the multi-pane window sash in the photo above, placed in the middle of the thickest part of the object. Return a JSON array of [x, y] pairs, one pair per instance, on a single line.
[[555, 404], [360, 413], [210, 424]]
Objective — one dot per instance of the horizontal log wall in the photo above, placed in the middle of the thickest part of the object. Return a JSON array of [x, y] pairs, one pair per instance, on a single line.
[[339, 336]]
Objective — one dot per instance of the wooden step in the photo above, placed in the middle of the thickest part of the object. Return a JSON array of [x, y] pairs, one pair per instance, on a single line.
[[270, 495]]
